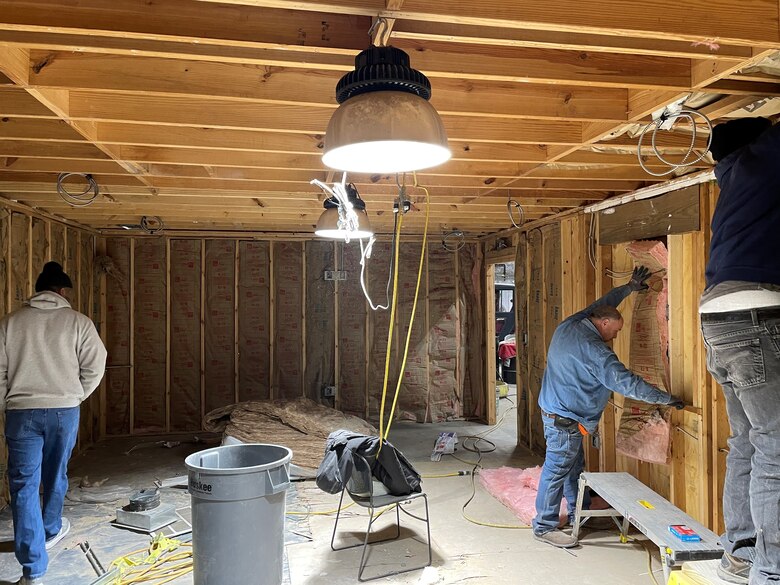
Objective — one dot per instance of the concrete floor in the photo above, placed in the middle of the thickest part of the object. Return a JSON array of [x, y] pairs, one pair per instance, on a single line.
[[462, 552]]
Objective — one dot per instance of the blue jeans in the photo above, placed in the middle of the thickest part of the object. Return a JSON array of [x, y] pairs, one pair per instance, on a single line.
[[743, 355], [40, 442], [564, 461]]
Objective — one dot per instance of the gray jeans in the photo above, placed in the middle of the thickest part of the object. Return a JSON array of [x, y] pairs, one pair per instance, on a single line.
[[743, 355]]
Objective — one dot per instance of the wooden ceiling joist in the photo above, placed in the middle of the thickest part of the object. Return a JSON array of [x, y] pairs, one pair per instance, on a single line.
[[753, 23], [572, 41], [188, 21]]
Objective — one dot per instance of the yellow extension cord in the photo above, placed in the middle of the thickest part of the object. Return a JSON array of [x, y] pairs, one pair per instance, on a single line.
[[649, 555], [414, 308], [385, 433], [151, 565], [476, 465], [393, 306]]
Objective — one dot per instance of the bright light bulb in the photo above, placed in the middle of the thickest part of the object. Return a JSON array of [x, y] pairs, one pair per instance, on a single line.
[[343, 234], [386, 156], [327, 226]]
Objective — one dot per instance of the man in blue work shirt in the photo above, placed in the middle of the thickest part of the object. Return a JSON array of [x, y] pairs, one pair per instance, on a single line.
[[581, 374], [740, 322]]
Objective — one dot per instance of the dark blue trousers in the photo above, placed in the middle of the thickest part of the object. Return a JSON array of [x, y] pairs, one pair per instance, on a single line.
[[40, 442]]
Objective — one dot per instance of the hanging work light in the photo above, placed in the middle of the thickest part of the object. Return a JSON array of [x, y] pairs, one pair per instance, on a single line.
[[385, 123], [344, 218]]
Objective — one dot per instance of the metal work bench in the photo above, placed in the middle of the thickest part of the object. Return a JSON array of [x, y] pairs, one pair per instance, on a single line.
[[651, 514]]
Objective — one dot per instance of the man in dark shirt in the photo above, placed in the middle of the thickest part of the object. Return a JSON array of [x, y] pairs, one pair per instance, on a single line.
[[740, 320]]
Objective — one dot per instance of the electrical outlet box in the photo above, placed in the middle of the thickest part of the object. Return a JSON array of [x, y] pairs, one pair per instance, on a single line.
[[328, 391], [335, 275]]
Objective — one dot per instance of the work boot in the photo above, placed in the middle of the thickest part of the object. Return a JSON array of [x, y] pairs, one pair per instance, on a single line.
[[557, 538], [30, 581], [60, 535], [733, 569]]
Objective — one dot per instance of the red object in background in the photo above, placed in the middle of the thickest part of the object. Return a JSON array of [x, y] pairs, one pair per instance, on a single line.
[[507, 349]]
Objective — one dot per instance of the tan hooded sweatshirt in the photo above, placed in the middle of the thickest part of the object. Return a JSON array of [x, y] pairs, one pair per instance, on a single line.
[[50, 355]]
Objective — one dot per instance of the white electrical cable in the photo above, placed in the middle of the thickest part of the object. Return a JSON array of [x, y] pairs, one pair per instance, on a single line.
[[614, 275], [365, 254], [348, 218]]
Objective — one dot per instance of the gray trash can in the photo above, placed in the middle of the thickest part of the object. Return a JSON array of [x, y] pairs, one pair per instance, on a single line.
[[238, 508]]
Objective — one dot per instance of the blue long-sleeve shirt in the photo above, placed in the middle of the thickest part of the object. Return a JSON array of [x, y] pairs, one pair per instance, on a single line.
[[582, 370]]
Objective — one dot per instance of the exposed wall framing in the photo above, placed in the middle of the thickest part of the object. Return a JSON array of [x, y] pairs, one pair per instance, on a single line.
[[259, 320]]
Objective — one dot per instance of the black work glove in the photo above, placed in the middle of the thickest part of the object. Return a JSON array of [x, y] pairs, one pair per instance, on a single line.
[[639, 278], [676, 403]]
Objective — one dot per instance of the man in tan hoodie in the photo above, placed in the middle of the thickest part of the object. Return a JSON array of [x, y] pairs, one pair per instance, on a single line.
[[51, 359]]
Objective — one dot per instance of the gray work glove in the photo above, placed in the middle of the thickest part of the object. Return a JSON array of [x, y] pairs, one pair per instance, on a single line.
[[639, 278], [676, 403]]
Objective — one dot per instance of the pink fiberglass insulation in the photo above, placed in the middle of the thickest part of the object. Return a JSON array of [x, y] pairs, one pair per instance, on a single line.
[[516, 489], [644, 432], [655, 256], [645, 436]]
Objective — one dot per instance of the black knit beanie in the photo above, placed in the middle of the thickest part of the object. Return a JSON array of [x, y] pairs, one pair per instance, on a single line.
[[52, 278], [733, 135]]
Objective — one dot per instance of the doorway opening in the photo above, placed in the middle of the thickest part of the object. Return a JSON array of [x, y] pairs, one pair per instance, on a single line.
[[501, 349]]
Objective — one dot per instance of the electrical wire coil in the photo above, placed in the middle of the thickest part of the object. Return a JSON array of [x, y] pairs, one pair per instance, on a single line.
[[457, 236], [88, 194], [152, 224], [656, 125], [513, 204]]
